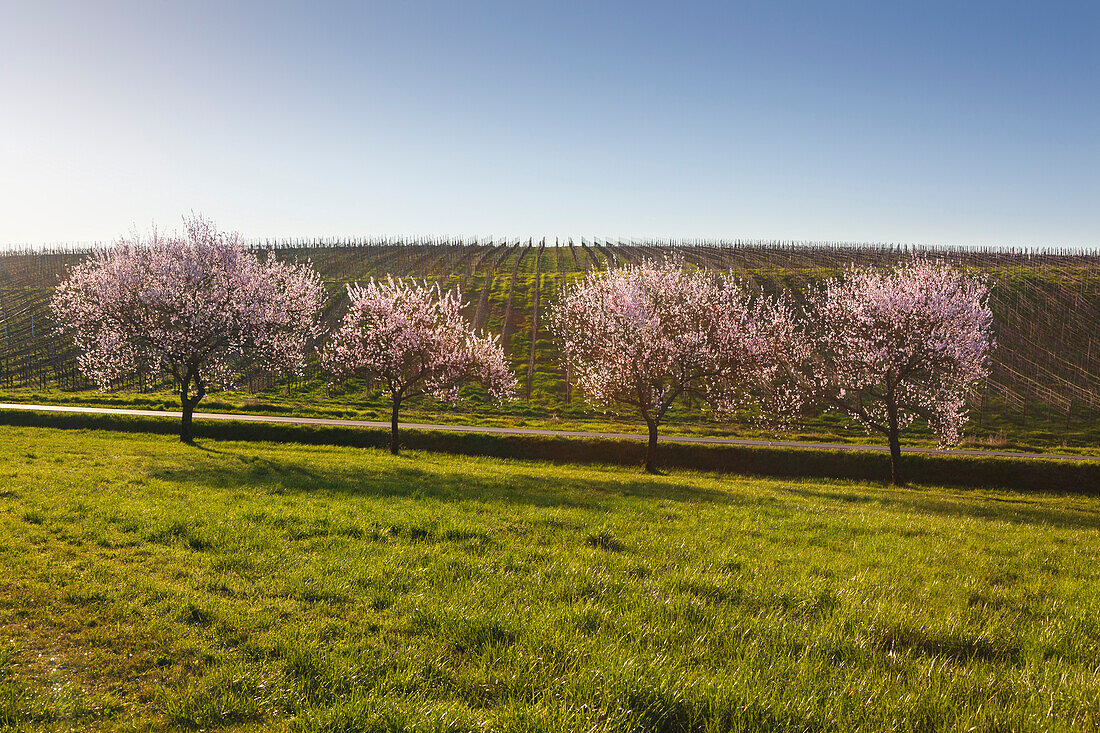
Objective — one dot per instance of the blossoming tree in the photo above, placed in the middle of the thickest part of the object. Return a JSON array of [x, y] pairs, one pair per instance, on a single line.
[[198, 305], [642, 336], [413, 340], [892, 346]]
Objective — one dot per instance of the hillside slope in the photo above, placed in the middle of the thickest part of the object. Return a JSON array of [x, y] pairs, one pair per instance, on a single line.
[[1046, 369]]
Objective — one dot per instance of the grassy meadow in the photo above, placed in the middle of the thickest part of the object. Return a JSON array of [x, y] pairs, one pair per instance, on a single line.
[[254, 586]]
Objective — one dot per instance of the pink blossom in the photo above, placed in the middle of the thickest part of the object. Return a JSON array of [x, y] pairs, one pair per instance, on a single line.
[[412, 339], [895, 345], [648, 334], [198, 305]]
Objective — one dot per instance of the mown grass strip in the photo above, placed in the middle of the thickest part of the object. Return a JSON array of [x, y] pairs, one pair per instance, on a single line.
[[963, 471]]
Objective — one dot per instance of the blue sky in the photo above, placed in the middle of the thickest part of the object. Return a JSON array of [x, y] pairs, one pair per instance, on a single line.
[[953, 123]]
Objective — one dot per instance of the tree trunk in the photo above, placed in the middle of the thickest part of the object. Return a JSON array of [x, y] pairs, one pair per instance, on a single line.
[[651, 447], [394, 445], [186, 433], [896, 477], [188, 403]]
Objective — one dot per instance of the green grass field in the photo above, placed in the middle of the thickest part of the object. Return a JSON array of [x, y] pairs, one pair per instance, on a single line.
[[248, 586]]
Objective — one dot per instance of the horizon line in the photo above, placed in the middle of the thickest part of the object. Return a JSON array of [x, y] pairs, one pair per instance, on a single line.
[[307, 242]]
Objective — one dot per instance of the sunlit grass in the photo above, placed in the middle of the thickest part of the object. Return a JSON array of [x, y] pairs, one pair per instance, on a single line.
[[1047, 432], [245, 585]]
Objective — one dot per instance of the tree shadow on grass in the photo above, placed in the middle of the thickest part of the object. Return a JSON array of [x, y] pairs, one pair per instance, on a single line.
[[421, 477], [1018, 510], [958, 648], [200, 445]]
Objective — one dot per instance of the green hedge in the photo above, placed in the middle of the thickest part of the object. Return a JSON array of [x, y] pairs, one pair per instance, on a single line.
[[946, 470]]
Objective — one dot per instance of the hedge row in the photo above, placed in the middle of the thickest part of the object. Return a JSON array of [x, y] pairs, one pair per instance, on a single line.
[[1025, 474]]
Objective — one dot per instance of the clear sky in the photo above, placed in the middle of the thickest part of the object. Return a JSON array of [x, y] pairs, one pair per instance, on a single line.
[[954, 123]]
